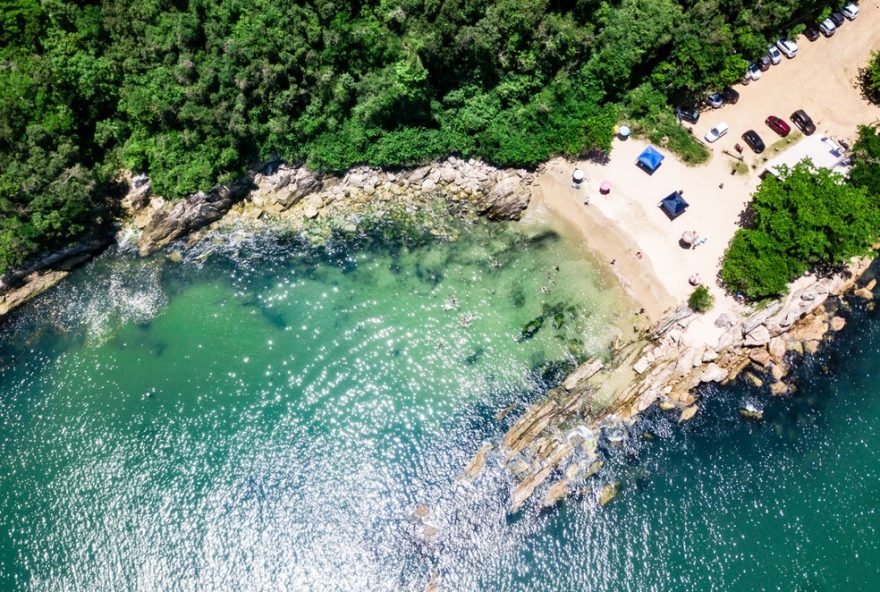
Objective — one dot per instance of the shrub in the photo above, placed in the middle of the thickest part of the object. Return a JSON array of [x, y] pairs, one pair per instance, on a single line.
[[700, 299]]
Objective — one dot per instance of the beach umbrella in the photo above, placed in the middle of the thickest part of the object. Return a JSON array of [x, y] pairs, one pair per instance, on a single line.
[[695, 279], [689, 237], [605, 187], [623, 132], [578, 176]]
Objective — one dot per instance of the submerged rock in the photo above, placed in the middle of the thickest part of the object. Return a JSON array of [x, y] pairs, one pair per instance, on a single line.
[[420, 513], [749, 411], [475, 467], [688, 413], [608, 493], [556, 492]]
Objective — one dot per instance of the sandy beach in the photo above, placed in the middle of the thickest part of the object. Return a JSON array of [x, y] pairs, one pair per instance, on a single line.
[[630, 234]]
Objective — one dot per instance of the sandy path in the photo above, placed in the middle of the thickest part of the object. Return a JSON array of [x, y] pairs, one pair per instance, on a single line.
[[822, 80]]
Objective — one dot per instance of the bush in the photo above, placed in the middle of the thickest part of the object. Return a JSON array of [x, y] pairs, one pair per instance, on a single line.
[[700, 299], [870, 78], [806, 219]]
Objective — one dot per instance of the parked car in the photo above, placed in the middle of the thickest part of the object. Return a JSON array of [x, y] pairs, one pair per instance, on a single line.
[[837, 18], [803, 121], [690, 113], [754, 72], [715, 100], [788, 47], [851, 11], [774, 55], [812, 33], [778, 125], [827, 27], [764, 63], [754, 141], [730, 96], [716, 132]]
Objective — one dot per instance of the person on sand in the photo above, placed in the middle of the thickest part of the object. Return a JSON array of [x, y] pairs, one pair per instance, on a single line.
[[639, 254], [613, 261]]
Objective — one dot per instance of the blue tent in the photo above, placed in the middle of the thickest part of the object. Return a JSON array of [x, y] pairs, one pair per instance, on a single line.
[[650, 159], [674, 205]]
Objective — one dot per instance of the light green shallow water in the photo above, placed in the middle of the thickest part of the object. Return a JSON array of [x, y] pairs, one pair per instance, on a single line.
[[269, 419]]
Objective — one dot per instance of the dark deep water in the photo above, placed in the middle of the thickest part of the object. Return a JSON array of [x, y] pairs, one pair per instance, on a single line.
[[268, 419]]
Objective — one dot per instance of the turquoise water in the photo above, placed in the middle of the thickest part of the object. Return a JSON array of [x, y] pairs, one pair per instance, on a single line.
[[266, 416]]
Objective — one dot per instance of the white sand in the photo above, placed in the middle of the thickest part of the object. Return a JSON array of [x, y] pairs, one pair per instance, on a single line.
[[822, 79]]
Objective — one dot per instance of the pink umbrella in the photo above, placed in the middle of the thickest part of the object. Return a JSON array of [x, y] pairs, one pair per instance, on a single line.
[[695, 279], [605, 187]]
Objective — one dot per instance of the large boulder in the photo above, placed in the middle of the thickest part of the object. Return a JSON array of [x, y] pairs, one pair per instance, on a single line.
[[506, 200], [176, 219]]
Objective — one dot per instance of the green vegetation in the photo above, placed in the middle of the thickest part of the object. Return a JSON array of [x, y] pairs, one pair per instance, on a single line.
[[870, 77], [808, 218], [194, 92], [865, 171], [700, 299]]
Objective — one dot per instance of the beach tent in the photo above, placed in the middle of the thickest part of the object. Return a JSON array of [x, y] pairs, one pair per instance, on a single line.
[[674, 205], [650, 159]]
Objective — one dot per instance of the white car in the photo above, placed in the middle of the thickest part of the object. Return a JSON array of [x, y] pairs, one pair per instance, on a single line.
[[788, 47], [716, 132], [775, 56], [754, 72], [851, 11], [827, 27]]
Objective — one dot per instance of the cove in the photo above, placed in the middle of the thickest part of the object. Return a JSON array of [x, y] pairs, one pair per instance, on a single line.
[[266, 415]]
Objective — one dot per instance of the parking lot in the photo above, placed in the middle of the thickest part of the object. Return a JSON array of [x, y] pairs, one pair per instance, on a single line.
[[822, 80]]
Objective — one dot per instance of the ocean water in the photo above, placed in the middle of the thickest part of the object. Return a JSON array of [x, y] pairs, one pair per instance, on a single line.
[[267, 416]]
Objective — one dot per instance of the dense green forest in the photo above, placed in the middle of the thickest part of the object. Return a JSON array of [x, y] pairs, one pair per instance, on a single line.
[[192, 92]]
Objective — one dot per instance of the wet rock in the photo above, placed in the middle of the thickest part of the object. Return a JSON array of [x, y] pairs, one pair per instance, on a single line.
[[556, 492], [430, 533], [812, 328], [812, 346], [760, 356], [475, 467], [666, 405], [871, 284], [420, 513], [864, 293], [32, 286], [583, 373], [608, 493], [175, 257], [688, 413], [749, 411], [523, 491], [778, 388], [754, 380], [838, 323]]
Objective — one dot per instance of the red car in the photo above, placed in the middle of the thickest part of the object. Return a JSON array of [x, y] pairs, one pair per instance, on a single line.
[[778, 125]]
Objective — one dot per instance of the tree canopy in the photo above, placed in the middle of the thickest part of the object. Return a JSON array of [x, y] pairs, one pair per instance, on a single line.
[[193, 92], [805, 218]]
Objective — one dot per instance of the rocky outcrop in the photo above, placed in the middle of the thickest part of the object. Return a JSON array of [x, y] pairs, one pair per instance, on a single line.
[[547, 444], [41, 273], [294, 196], [173, 220]]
